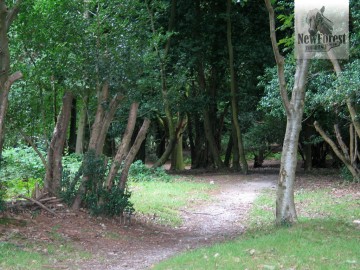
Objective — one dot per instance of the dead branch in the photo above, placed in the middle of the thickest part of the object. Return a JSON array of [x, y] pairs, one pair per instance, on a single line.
[[39, 204]]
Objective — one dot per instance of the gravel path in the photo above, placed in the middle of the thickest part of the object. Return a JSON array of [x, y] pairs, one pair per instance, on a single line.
[[221, 218]]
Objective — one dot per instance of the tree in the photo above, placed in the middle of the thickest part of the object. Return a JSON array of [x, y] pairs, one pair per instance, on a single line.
[[294, 107], [234, 103], [7, 16]]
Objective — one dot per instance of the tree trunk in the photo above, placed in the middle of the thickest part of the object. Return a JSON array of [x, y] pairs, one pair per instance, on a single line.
[[164, 91], [234, 105], [307, 148], [55, 151], [124, 145], [79, 149], [212, 142], [235, 150], [228, 151], [132, 153], [177, 159], [72, 131], [6, 19], [285, 206]]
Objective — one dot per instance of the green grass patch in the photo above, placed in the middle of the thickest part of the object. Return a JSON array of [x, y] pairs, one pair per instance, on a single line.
[[316, 244], [324, 238], [39, 255], [164, 199]]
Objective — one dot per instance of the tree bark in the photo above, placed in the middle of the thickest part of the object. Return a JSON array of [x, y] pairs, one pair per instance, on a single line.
[[6, 80], [234, 104], [285, 205], [132, 153], [79, 149], [55, 151], [72, 131], [124, 145]]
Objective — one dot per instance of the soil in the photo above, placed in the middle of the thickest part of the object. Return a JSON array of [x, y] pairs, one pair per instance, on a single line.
[[142, 244]]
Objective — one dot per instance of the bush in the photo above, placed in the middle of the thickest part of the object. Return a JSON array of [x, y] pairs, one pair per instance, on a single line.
[[346, 175], [139, 172], [2, 200], [21, 169], [98, 199]]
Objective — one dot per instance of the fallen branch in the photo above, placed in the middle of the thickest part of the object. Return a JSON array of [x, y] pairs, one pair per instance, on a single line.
[[39, 204]]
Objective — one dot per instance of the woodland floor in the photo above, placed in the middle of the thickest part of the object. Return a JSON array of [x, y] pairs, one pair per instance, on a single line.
[[139, 246]]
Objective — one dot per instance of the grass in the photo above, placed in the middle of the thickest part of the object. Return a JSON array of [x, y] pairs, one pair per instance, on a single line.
[[38, 255], [324, 238], [163, 200]]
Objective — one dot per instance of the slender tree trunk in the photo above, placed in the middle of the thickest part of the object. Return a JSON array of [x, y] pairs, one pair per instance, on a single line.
[[55, 151], [228, 151], [234, 105], [307, 148], [132, 153], [72, 131], [162, 60], [79, 149], [285, 206], [235, 150], [124, 145], [6, 18]]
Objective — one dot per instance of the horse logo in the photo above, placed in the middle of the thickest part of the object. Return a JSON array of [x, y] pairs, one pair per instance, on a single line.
[[318, 22]]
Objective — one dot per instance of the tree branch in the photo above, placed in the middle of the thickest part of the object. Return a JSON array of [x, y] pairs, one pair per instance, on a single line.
[[330, 142], [12, 14], [343, 146], [30, 141], [12, 78], [278, 58]]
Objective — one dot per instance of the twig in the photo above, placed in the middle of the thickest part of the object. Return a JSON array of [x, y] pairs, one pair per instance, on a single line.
[[200, 213], [39, 204]]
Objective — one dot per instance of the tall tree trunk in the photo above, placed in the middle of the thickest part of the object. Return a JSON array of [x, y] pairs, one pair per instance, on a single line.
[[72, 131], [164, 90], [307, 147], [124, 146], [285, 206], [6, 18], [132, 153], [79, 149], [55, 151], [234, 105]]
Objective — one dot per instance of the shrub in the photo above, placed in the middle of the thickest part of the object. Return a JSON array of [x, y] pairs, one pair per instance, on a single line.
[[139, 172]]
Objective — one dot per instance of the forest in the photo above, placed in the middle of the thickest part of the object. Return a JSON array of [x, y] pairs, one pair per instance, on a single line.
[[98, 98]]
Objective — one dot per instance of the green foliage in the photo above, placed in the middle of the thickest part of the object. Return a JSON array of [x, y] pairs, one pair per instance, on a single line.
[[346, 175], [21, 162], [21, 169], [2, 200], [139, 172], [98, 199]]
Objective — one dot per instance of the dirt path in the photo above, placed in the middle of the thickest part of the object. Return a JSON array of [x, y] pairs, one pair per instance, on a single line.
[[141, 245], [222, 218]]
